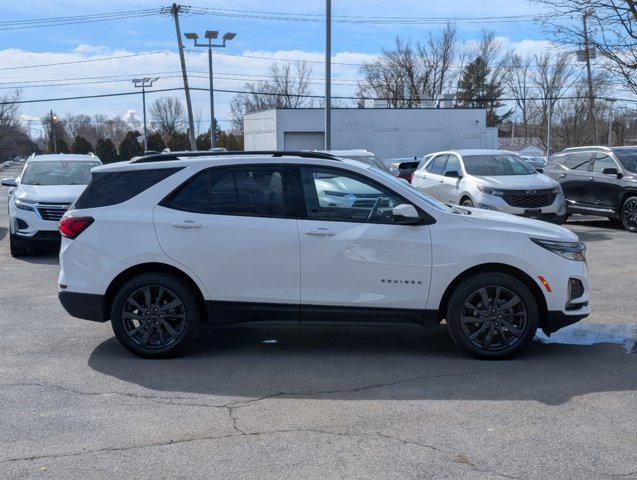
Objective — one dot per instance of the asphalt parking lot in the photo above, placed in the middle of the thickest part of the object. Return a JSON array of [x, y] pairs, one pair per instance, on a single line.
[[267, 402]]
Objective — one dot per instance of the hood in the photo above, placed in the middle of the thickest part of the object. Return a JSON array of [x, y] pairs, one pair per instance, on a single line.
[[512, 223], [49, 193], [518, 182]]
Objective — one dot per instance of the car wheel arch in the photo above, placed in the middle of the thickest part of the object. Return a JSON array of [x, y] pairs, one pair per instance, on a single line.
[[495, 267], [130, 272], [625, 195]]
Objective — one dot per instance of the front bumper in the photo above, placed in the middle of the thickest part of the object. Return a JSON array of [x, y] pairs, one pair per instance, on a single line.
[[87, 306], [556, 320]]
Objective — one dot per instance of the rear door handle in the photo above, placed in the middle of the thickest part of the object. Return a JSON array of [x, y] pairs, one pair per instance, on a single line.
[[186, 225], [442, 180], [320, 232], [590, 179], [562, 175]]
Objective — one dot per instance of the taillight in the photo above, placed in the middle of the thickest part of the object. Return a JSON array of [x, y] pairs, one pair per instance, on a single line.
[[71, 227]]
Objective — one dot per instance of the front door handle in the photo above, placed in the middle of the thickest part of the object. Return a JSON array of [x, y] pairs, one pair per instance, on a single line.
[[562, 175], [186, 225], [320, 232], [442, 180], [590, 179]]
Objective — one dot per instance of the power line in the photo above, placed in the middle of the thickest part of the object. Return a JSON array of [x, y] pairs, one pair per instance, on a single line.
[[72, 20], [88, 60]]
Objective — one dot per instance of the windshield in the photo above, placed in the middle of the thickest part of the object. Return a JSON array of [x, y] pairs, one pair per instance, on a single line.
[[495, 165], [369, 160], [423, 196], [62, 172], [628, 157]]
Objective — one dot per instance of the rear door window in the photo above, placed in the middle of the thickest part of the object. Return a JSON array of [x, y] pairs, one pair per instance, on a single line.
[[246, 191]]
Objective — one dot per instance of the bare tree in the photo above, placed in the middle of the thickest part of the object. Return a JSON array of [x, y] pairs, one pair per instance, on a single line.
[[288, 86], [518, 83], [612, 31], [167, 114], [13, 138], [113, 128], [409, 73], [553, 77]]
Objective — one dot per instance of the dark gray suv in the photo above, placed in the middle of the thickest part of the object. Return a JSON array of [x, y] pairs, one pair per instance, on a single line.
[[598, 181]]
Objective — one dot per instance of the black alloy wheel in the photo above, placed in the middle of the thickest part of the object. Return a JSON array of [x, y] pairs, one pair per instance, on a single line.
[[492, 315], [155, 315], [629, 214], [467, 202], [493, 318]]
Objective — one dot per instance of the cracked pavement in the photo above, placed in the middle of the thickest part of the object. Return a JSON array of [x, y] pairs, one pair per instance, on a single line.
[[319, 403]]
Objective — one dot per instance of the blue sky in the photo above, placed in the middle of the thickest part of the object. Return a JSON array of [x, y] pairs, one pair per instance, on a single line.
[[352, 43]]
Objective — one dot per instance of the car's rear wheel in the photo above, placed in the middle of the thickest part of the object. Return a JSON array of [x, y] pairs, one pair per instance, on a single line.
[[17, 247], [629, 214], [492, 315], [156, 315]]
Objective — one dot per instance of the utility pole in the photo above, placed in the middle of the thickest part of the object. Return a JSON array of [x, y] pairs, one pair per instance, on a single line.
[[591, 98], [143, 83], [174, 11], [328, 74], [549, 119], [610, 121], [53, 138]]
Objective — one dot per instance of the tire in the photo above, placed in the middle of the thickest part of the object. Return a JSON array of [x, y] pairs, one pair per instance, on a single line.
[[467, 202], [164, 327], [629, 214], [17, 248], [522, 316]]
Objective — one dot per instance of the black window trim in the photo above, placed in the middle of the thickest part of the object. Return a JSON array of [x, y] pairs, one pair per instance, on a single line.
[[427, 219]]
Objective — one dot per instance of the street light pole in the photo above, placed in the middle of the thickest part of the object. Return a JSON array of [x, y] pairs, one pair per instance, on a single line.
[[143, 83], [211, 35]]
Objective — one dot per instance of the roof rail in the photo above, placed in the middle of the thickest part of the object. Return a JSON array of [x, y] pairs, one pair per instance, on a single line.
[[165, 157], [586, 147]]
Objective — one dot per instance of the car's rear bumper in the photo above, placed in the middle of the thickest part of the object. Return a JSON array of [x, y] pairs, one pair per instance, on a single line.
[[87, 306]]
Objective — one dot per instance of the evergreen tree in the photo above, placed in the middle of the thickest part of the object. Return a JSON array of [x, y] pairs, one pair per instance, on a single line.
[[476, 89], [155, 142], [203, 140], [130, 147], [105, 150], [178, 142], [81, 145]]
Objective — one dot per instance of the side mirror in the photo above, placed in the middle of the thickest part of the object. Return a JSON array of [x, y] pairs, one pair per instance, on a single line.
[[453, 174], [9, 182], [612, 171], [406, 214]]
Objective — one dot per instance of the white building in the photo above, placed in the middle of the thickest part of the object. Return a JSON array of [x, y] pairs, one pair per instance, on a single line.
[[388, 132]]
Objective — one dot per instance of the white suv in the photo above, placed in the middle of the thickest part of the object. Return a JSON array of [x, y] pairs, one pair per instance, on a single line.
[[41, 194], [163, 244], [492, 180]]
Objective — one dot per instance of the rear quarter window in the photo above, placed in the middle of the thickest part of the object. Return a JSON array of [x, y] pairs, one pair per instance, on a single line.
[[111, 188]]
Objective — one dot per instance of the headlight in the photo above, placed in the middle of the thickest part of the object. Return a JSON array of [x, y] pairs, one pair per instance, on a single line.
[[490, 191], [24, 205], [557, 190], [570, 250]]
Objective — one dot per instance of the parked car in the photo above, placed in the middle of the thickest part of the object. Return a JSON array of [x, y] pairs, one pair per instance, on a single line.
[[407, 169], [599, 181], [492, 180], [41, 194], [360, 155], [192, 239]]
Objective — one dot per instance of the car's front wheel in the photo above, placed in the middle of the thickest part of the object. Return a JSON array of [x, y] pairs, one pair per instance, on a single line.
[[17, 247], [492, 315], [467, 202], [629, 214], [156, 315]]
